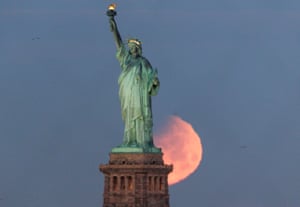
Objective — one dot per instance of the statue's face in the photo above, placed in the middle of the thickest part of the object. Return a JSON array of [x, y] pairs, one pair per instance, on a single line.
[[134, 49]]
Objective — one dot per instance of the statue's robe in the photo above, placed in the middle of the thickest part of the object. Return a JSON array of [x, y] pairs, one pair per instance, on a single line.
[[136, 83]]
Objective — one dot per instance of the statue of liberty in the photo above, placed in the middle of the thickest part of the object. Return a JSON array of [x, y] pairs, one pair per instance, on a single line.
[[138, 81]]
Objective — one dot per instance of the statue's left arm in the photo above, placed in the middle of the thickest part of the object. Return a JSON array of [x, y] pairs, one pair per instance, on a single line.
[[154, 85]]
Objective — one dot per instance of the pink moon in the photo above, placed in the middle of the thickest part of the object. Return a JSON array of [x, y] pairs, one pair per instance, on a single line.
[[181, 147]]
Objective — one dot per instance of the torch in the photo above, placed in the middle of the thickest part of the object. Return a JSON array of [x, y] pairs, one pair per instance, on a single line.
[[111, 12]]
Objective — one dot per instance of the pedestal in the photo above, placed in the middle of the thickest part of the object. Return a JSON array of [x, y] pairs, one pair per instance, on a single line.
[[136, 180]]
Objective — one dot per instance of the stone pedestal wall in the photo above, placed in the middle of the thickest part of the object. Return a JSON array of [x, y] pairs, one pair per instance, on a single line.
[[136, 180]]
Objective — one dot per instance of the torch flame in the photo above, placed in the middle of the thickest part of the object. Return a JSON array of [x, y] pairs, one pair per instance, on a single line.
[[112, 6]]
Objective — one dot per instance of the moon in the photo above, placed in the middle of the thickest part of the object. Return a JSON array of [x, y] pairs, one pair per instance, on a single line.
[[181, 147]]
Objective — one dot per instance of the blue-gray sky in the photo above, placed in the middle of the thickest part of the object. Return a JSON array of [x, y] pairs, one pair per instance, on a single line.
[[230, 68]]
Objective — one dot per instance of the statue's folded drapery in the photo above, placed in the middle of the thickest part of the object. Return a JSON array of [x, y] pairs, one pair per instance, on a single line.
[[137, 82]]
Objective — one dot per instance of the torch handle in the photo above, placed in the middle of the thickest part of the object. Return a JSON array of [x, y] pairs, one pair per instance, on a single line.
[[111, 13]]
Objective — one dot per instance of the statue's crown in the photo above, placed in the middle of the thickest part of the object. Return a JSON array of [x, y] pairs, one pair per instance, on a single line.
[[135, 41]]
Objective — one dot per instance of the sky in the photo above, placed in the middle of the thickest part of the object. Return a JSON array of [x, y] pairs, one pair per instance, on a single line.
[[230, 68]]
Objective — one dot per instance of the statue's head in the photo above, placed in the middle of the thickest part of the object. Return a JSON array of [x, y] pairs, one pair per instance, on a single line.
[[135, 47]]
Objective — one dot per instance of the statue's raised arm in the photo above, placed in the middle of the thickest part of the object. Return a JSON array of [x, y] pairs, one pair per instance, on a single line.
[[113, 25]]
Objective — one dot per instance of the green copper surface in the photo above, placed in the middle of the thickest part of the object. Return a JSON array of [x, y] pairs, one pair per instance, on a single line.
[[128, 149], [138, 81]]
